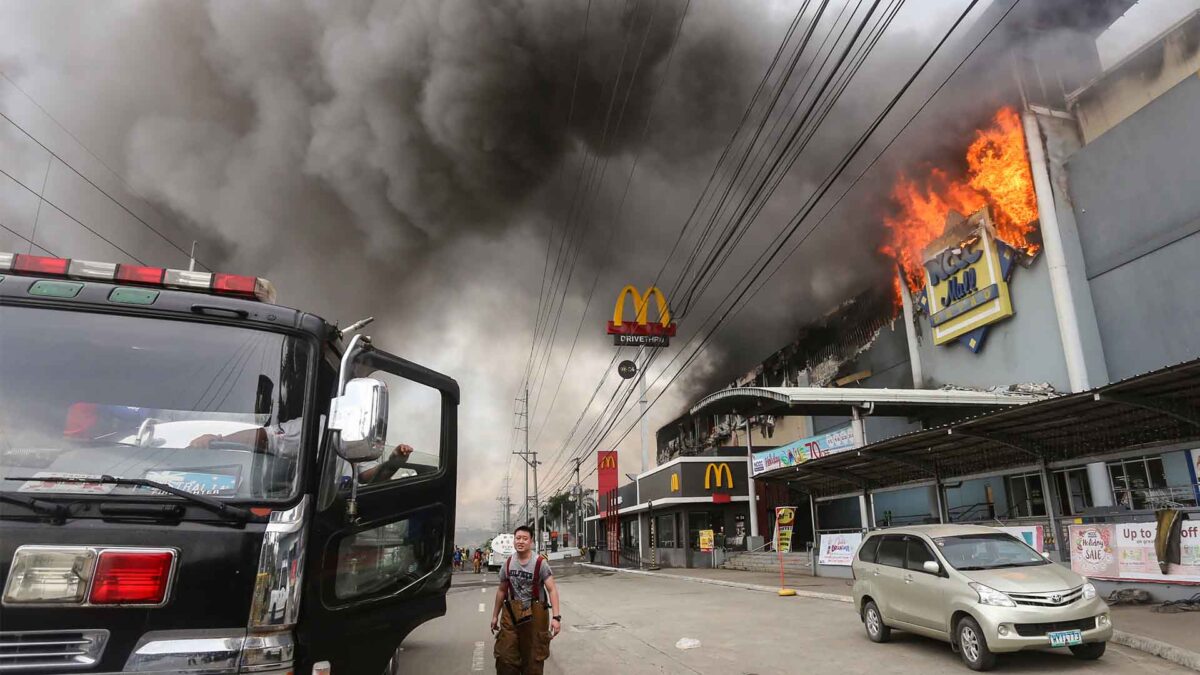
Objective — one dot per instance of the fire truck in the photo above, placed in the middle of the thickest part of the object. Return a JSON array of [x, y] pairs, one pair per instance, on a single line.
[[194, 479]]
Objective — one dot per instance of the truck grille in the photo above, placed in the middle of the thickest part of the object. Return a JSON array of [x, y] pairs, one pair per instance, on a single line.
[[1051, 599], [51, 650], [1038, 629]]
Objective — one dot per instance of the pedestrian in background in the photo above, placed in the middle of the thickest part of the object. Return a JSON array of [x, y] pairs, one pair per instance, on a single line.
[[523, 617], [478, 560], [457, 558]]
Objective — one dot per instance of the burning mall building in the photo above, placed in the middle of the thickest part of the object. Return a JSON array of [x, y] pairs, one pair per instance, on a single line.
[[1034, 362]]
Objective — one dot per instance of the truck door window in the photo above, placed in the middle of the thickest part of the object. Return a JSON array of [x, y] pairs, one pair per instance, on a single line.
[[413, 446], [386, 559]]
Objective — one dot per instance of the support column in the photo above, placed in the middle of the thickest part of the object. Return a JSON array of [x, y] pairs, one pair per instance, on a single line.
[[1048, 496], [866, 510], [942, 514], [1100, 484], [812, 506], [751, 489]]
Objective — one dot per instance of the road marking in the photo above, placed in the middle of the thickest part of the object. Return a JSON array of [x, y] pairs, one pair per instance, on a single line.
[[477, 657], [481, 607]]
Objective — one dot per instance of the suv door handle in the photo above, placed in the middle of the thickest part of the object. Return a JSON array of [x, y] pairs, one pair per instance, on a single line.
[[908, 578]]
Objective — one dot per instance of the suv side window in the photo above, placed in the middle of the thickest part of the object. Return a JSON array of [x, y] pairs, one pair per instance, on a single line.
[[869, 547], [891, 551], [918, 553]]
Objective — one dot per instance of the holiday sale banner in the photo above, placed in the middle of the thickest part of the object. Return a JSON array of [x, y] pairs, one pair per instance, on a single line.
[[1126, 551]]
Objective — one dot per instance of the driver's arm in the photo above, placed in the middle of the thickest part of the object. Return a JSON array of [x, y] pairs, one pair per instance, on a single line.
[[385, 470], [255, 438]]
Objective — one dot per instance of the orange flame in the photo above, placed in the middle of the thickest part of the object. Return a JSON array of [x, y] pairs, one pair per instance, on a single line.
[[998, 176]]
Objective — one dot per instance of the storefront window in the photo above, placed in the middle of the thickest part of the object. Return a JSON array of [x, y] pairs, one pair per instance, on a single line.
[[1026, 498], [1141, 483], [697, 520], [1074, 492], [665, 531]]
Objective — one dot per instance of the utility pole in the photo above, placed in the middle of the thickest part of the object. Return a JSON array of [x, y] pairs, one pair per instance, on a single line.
[[645, 422], [578, 503], [506, 506], [526, 455]]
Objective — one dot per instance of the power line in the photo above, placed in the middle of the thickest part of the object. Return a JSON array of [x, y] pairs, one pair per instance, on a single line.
[[89, 181], [607, 426], [617, 219], [745, 116], [65, 213], [799, 218]]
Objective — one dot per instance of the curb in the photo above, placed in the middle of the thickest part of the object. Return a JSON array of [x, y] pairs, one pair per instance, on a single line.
[[1163, 650], [721, 582]]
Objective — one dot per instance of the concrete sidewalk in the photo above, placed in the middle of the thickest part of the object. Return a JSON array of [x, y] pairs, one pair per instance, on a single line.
[[1175, 637]]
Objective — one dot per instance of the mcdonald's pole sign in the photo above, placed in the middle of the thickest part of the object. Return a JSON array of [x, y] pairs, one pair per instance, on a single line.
[[606, 471], [640, 332]]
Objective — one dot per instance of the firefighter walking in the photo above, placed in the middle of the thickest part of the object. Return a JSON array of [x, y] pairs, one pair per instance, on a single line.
[[523, 618]]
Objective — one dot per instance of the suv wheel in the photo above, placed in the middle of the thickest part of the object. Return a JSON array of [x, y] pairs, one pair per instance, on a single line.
[[877, 630], [1090, 651], [972, 646]]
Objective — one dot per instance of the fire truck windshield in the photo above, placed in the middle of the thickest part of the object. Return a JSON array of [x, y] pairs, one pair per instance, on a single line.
[[205, 408]]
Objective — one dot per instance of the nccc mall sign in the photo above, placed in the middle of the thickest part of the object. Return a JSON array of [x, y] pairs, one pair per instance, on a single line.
[[640, 332], [966, 283]]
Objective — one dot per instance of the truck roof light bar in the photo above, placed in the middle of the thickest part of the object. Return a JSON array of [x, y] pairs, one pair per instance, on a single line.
[[250, 288]]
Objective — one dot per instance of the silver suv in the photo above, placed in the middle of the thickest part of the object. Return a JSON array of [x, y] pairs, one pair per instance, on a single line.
[[978, 588]]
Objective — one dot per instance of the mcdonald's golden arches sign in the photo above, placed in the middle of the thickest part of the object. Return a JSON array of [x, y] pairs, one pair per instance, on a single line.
[[641, 332]]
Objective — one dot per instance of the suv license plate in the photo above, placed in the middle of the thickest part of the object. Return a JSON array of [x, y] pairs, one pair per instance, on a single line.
[[1065, 638]]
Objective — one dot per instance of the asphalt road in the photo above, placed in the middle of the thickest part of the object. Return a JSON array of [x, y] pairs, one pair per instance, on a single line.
[[615, 623]]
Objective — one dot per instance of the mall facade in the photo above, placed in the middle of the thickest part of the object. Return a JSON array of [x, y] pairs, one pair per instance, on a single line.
[[1052, 375]]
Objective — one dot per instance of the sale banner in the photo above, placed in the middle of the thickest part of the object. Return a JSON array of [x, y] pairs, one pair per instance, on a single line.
[[838, 548], [1094, 550], [785, 520], [1135, 549], [1126, 551]]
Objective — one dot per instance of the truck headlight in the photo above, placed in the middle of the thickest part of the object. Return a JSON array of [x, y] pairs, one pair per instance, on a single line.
[[1089, 591], [991, 596]]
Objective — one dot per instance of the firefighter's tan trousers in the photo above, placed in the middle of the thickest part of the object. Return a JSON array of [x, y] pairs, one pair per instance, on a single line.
[[522, 650]]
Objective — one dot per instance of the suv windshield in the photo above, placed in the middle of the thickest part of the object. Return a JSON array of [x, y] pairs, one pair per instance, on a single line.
[[987, 551], [209, 409]]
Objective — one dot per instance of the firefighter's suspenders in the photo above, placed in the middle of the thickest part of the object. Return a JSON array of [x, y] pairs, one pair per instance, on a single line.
[[536, 591]]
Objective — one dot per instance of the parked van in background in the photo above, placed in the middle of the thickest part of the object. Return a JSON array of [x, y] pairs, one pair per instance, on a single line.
[[980, 589]]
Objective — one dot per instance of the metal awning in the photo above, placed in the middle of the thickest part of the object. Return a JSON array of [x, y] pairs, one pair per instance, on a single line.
[[833, 401], [1154, 409]]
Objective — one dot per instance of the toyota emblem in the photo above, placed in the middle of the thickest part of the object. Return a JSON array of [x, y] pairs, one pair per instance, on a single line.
[[1056, 598]]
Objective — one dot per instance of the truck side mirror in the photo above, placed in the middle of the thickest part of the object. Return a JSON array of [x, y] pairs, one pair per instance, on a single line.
[[263, 404], [360, 416]]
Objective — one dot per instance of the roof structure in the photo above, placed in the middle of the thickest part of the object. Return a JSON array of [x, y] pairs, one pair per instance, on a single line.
[[1153, 409], [834, 400]]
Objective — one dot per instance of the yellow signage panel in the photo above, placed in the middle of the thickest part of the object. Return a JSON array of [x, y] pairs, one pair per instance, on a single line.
[[965, 287], [706, 540]]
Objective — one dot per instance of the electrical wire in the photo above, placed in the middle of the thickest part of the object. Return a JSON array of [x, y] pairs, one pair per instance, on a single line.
[[800, 217]]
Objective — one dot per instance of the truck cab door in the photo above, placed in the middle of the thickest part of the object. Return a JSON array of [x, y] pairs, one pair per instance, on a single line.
[[374, 576]]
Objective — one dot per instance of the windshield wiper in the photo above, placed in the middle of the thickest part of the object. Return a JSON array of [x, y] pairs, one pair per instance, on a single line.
[[57, 511], [975, 568], [215, 505]]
